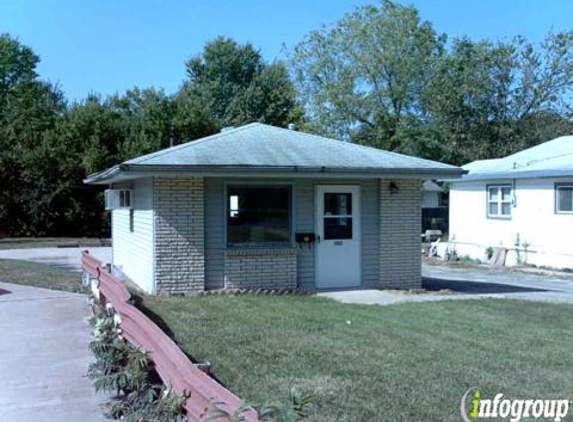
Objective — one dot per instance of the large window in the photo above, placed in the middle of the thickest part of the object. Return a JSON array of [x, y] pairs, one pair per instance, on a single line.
[[258, 216], [499, 201], [564, 199]]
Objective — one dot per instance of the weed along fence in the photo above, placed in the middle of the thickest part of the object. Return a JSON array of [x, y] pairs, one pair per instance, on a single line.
[[171, 364]]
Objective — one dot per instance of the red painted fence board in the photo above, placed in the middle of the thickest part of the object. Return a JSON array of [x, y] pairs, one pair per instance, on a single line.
[[172, 365]]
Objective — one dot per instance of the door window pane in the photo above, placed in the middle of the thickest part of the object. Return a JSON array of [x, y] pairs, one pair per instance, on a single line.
[[565, 199], [337, 204], [258, 216], [337, 228]]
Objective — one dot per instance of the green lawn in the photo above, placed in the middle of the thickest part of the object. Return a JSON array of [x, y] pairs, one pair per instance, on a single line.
[[409, 362], [39, 275], [47, 242]]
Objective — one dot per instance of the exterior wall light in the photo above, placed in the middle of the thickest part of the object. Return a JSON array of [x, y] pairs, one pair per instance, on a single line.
[[393, 188]]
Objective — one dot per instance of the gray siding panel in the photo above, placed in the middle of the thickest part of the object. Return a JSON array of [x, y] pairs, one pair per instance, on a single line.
[[304, 221], [370, 234], [214, 236]]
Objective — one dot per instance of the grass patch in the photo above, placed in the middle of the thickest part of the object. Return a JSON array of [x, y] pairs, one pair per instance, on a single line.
[[39, 275], [49, 242], [391, 363]]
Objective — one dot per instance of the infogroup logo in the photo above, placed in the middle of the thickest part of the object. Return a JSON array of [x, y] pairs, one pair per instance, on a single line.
[[473, 406]]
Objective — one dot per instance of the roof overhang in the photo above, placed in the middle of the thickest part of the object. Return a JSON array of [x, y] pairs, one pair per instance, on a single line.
[[126, 172], [531, 174]]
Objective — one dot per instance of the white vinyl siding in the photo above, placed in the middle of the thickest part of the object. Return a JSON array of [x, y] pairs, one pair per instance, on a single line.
[[534, 222], [132, 234]]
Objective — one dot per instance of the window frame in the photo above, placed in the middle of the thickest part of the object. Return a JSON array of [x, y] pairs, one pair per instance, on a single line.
[[558, 186], [127, 197], [258, 184], [500, 202]]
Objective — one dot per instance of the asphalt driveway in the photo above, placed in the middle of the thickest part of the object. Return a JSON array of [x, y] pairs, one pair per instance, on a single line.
[[65, 258], [44, 357], [487, 281], [443, 282]]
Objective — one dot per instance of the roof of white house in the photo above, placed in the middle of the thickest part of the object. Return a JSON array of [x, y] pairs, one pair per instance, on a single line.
[[550, 159], [263, 149]]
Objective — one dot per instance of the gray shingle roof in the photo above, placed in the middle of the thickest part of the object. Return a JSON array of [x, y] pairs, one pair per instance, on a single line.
[[550, 159], [259, 147]]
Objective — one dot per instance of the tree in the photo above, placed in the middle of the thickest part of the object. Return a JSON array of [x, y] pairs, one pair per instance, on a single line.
[[17, 64], [29, 110], [234, 85], [383, 77], [362, 79], [490, 99], [48, 147]]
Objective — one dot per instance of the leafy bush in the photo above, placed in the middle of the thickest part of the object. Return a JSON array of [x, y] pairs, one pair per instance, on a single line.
[[294, 410], [128, 373]]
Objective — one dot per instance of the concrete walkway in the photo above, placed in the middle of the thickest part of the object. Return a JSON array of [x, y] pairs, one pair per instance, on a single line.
[[468, 283], [65, 258], [44, 357]]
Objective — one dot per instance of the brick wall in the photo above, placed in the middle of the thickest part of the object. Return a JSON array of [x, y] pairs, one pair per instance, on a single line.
[[179, 235], [400, 226], [260, 269]]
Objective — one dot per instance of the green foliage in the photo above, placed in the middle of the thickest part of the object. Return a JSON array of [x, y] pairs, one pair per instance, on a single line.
[[492, 99], [165, 407], [128, 373], [362, 78], [111, 352], [235, 86], [47, 147], [383, 77], [17, 64], [296, 409], [29, 110]]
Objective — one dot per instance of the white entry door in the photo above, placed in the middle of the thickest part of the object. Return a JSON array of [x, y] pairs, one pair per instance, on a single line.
[[338, 248]]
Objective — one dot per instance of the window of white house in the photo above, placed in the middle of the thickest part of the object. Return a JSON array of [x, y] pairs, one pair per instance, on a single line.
[[564, 199], [499, 201], [258, 216]]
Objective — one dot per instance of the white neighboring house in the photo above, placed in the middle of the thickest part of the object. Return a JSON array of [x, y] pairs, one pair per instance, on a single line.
[[523, 202]]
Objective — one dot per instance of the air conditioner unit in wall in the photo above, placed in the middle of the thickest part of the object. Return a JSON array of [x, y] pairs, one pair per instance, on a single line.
[[118, 199]]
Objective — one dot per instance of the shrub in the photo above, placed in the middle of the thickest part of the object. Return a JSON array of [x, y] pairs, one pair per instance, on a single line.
[[128, 373]]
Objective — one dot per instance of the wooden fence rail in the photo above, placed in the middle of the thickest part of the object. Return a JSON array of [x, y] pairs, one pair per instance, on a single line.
[[172, 365]]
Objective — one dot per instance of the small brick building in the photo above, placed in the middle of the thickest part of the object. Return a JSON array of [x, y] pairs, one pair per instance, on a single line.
[[264, 207]]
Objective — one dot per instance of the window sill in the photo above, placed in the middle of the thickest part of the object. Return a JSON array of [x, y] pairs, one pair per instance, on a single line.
[[493, 217]]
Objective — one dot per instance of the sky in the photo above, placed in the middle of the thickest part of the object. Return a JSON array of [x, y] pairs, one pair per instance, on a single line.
[[108, 46]]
